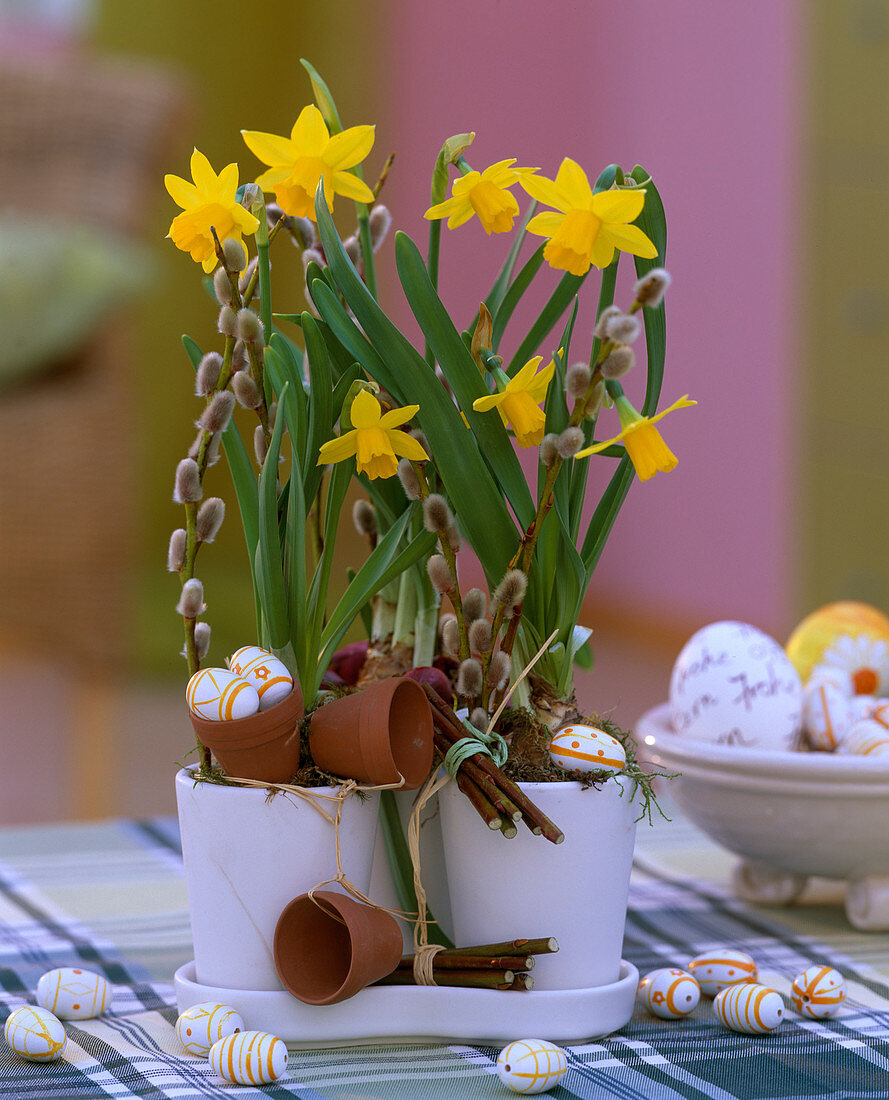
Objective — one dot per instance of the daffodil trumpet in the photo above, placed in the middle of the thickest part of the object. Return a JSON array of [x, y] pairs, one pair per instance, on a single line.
[[518, 401]]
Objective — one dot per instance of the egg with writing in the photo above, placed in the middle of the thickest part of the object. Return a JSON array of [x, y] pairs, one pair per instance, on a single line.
[[74, 994], [734, 685], [219, 695], [818, 992], [750, 1008], [669, 993], [720, 967], [587, 749], [531, 1066], [204, 1024], [265, 672], [249, 1058], [35, 1034]]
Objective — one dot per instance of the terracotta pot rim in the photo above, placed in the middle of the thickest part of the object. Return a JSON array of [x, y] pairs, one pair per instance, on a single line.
[[255, 729]]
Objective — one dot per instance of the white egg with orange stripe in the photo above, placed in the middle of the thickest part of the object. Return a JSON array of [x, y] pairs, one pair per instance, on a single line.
[[669, 993], [880, 712], [721, 967], [204, 1024], [818, 991], [531, 1066], [749, 1008], [74, 994], [830, 676], [219, 695], [866, 738], [826, 716], [35, 1034], [267, 673], [249, 1058], [587, 749]]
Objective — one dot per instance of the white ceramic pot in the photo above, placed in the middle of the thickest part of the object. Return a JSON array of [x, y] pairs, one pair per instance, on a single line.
[[527, 887], [246, 857]]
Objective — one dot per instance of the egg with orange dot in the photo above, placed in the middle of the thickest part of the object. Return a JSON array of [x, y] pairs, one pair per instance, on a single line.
[[818, 992], [531, 1066], [580, 748], [669, 993], [204, 1024], [266, 672], [219, 695], [721, 967], [73, 994]]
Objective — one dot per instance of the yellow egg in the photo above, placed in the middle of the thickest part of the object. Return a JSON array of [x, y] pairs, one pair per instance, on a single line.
[[249, 1058], [587, 749], [267, 673], [824, 627], [73, 994], [219, 695], [35, 1034], [204, 1024], [531, 1066]]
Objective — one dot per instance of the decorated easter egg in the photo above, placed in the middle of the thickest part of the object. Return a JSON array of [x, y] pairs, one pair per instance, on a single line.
[[669, 993], [721, 967], [587, 749], [749, 1008], [265, 672], [35, 1034], [218, 695], [531, 1065], [734, 685], [861, 706], [818, 991], [880, 712], [73, 994], [249, 1058], [846, 635], [865, 738], [204, 1024], [830, 676], [827, 716]]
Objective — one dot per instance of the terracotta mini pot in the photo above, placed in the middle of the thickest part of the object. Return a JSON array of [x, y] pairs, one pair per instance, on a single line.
[[376, 735], [263, 746], [328, 949]]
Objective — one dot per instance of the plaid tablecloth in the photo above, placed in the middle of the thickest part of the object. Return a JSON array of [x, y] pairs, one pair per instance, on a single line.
[[111, 897]]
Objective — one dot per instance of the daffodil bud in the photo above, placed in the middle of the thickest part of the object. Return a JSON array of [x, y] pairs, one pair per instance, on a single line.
[[469, 678], [227, 322], [379, 223], [210, 516], [577, 380], [191, 599], [252, 197], [440, 574], [244, 280], [617, 364], [235, 255], [450, 635], [364, 516], [623, 328], [437, 516], [202, 639], [475, 603], [548, 449], [187, 488], [479, 719], [409, 480], [260, 444], [222, 288], [482, 335], [176, 551], [499, 669], [511, 590], [651, 288], [480, 636], [246, 390], [604, 317], [352, 248], [250, 328], [207, 374], [218, 413], [569, 442]]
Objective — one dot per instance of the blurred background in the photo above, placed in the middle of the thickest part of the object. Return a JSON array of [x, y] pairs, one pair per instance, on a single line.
[[764, 127]]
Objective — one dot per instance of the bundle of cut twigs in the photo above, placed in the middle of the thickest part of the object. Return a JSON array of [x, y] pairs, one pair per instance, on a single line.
[[490, 966]]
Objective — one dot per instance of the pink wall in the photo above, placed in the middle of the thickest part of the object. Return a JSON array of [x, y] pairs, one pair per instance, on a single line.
[[703, 95]]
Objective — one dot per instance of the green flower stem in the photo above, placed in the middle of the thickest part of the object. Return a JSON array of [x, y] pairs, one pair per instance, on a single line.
[[432, 257], [264, 269], [406, 611], [367, 252], [250, 289]]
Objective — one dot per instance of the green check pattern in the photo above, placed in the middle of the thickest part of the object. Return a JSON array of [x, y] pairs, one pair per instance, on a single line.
[[111, 897]]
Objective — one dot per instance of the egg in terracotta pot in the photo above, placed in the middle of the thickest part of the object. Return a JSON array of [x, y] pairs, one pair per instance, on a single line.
[[267, 673], [219, 695], [734, 685], [846, 635], [587, 749]]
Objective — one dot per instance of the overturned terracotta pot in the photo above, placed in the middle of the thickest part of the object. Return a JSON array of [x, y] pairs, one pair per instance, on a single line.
[[376, 735], [263, 746], [328, 949]]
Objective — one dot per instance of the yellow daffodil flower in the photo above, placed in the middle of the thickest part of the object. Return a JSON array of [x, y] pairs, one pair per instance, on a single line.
[[587, 228], [310, 154], [374, 440], [209, 201], [519, 403], [483, 193], [647, 450]]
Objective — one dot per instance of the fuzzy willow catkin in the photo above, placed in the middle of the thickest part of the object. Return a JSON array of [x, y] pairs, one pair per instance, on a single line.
[[187, 486], [475, 603], [191, 599]]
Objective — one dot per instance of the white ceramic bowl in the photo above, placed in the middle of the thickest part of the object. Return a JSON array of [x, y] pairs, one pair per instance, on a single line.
[[789, 815]]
